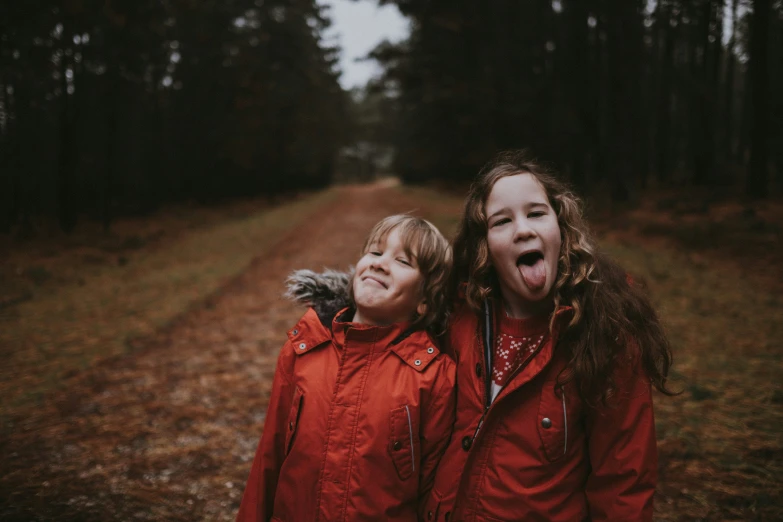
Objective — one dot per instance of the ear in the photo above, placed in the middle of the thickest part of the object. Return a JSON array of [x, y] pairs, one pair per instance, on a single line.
[[422, 308]]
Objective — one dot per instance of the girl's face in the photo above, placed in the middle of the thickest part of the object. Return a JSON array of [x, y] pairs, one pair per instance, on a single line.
[[387, 287], [524, 241]]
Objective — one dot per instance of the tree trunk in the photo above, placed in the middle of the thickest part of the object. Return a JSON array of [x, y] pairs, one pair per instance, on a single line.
[[624, 45], [8, 201], [576, 80], [729, 145], [666, 67], [66, 210], [107, 192], [759, 78], [702, 129]]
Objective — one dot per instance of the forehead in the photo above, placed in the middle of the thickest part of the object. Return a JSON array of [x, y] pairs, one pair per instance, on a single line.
[[515, 191], [392, 237], [384, 234]]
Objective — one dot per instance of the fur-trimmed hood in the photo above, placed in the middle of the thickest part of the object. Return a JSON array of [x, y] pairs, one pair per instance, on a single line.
[[326, 292]]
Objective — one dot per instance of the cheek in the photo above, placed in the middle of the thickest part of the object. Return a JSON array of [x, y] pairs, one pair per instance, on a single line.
[[556, 245], [413, 287], [553, 236], [494, 247], [362, 263]]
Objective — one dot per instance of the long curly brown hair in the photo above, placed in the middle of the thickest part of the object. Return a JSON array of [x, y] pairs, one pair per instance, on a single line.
[[611, 312]]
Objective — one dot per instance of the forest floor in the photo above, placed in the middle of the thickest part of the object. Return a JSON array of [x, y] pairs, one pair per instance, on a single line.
[[138, 366]]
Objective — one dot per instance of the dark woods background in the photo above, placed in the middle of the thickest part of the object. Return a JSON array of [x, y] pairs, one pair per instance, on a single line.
[[621, 95], [116, 106], [111, 107]]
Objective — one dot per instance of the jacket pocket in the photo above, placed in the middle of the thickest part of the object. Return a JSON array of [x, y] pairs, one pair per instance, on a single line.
[[293, 418], [553, 422], [402, 442]]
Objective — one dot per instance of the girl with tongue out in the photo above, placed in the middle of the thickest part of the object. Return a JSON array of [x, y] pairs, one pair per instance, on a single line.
[[557, 350]]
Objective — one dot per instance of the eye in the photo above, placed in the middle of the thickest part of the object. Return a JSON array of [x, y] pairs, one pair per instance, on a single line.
[[500, 222], [375, 253], [404, 261], [536, 213]]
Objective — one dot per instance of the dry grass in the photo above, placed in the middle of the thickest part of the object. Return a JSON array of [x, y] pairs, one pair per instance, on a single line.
[[720, 441], [91, 296], [167, 432], [714, 271]]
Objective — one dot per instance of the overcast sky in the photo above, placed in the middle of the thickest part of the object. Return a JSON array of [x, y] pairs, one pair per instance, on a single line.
[[358, 28]]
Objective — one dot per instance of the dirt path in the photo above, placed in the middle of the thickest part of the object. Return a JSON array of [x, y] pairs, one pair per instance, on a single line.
[[168, 433]]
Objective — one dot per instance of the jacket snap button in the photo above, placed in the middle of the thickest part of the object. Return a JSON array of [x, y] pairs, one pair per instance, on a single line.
[[295, 332], [429, 515], [417, 362], [397, 446], [290, 425], [430, 350], [302, 346], [467, 442], [478, 370], [546, 423]]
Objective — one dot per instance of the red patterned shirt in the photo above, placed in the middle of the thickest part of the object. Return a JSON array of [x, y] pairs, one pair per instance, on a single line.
[[515, 342]]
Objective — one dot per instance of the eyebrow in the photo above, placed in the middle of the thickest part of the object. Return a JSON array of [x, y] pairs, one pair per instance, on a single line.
[[504, 209], [530, 205]]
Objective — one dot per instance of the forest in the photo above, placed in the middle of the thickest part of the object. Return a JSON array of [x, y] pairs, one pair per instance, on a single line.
[[119, 106], [116, 107], [621, 96], [166, 164]]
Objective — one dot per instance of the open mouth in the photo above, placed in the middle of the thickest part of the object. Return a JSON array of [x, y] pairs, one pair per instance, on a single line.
[[532, 268], [530, 258]]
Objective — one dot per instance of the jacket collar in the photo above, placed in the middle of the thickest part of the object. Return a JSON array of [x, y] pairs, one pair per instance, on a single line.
[[344, 331], [308, 333], [416, 347]]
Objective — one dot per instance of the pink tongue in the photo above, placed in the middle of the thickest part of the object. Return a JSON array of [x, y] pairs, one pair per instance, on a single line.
[[535, 275]]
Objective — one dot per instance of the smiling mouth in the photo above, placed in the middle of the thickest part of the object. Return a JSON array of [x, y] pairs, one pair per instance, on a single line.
[[381, 283]]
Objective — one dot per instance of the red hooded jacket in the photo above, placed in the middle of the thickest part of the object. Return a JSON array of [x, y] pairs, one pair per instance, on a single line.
[[539, 453], [358, 419]]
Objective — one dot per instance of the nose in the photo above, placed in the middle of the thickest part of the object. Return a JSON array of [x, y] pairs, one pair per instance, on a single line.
[[379, 263], [523, 231]]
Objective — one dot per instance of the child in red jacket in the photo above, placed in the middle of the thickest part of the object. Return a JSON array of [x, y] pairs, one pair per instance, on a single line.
[[362, 402], [556, 350]]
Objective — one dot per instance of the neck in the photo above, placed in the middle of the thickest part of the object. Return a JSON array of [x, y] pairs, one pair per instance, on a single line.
[[364, 318], [358, 318], [516, 309]]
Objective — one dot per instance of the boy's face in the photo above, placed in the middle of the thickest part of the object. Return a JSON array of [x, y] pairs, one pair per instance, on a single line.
[[387, 287]]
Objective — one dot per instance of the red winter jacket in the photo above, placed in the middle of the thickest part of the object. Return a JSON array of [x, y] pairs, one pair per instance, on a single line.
[[541, 454], [356, 425]]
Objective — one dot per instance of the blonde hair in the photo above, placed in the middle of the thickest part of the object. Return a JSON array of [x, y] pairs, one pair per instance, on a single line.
[[422, 241]]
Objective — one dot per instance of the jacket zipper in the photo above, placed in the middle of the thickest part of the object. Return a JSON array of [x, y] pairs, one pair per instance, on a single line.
[[410, 431], [565, 420], [488, 338]]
